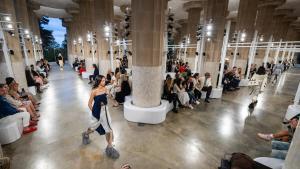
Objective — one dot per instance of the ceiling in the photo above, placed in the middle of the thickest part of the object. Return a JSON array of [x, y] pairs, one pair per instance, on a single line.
[[58, 8]]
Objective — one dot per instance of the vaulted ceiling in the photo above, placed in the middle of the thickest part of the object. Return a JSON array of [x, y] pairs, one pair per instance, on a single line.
[[61, 8]]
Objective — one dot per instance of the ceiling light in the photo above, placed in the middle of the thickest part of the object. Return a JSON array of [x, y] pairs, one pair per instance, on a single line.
[[243, 35], [261, 39], [26, 31], [9, 26], [7, 18], [209, 27], [107, 34], [106, 28], [208, 33]]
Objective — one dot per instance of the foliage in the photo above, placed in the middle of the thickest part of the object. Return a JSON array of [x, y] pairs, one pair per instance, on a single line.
[[50, 47]]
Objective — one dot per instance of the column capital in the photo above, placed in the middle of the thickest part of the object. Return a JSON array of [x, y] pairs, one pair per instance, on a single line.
[[34, 6], [125, 8], [182, 21], [72, 11], [283, 12], [275, 3], [194, 4]]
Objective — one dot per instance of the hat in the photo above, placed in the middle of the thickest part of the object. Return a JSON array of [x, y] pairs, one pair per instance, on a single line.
[[9, 80], [290, 114]]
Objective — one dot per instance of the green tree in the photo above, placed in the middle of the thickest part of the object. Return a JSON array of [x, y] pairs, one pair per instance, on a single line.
[[49, 43]]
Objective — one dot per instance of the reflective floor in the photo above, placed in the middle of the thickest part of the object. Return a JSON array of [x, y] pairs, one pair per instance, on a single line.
[[190, 139]]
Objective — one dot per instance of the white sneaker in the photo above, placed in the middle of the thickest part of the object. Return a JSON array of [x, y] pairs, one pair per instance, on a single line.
[[197, 102], [267, 137], [191, 107]]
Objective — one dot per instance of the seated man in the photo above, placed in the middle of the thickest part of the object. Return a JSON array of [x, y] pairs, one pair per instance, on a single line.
[[234, 78], [8, 112], [206, 85], [281, 140]]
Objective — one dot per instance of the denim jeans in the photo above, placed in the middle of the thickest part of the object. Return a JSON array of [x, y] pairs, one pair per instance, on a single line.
[[279, 149]]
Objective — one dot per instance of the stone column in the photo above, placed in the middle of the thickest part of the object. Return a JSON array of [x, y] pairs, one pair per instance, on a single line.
[[13, 43], [148, 32], [266, 10], [216, 11], [86, 20], [194, 9], [35, 30], [103, 14], [245, 22], [181, 31], [23, 17]]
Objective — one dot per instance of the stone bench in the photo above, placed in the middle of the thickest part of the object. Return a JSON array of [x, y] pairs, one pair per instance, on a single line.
[[86, 75], [10, 131], [153, 115]]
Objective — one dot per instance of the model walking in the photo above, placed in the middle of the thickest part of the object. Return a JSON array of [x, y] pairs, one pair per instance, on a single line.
[[100, 112]]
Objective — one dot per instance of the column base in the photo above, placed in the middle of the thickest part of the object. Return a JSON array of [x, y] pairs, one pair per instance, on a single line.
[[216, 93], [292, 109], [153, 115], [244, 82]]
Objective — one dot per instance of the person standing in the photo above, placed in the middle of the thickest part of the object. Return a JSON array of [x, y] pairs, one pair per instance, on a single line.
[[60, 61], [277, 70]]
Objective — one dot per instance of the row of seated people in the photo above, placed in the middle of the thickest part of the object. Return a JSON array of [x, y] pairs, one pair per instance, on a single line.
[[16, 103], [185, 89]]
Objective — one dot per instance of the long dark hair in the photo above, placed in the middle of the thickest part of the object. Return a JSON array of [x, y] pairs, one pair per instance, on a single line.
[[98, 81], [95, 66]]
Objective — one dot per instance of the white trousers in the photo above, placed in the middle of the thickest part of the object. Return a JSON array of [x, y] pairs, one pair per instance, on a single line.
[[105, 121]]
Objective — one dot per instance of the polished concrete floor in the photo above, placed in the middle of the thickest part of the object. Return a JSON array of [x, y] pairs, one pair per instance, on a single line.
[[190, 139]]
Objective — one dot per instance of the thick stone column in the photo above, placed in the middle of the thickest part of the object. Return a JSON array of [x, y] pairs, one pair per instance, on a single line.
[[194, 9], [266, 10], [103, 14], [35, 31], [216, 11], [23, 17], [245, 22], [148, 32], [182, 31], [13, 43]]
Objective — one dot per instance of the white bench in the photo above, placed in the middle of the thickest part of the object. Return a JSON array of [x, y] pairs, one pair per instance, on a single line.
[[273, 163], [32, 90], [10, 131], [86, 75], [216, 93], [153, 115]]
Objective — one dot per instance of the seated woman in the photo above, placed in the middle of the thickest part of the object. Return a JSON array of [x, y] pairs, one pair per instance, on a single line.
[[40, 69], [169, 94], [82, 68], [37, 77], [183, 96], [31, 81], [21, 105], [125, 91], [15, 93], [115, 85], [8, 112], [95, 74]]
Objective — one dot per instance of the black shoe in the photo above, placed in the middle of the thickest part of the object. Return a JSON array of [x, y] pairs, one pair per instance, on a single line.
[[206, 100], [90, 82], [175, 110]]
